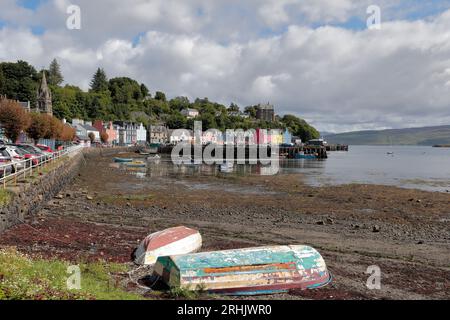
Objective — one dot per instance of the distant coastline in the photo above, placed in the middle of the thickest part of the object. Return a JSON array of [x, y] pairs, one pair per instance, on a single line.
[[441, 146], [425, 136]]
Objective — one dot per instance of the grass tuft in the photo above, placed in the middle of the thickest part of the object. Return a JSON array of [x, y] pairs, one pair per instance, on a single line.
[[5, 197], [25, 278]]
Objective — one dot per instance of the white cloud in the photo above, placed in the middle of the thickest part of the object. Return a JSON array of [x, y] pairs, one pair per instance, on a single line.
[[337, 78]]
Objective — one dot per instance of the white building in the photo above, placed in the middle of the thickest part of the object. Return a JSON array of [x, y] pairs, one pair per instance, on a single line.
[[190, 113], [180, 135], [141, 134]]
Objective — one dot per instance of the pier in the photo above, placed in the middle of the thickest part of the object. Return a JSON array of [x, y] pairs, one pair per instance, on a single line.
[[285, 152]]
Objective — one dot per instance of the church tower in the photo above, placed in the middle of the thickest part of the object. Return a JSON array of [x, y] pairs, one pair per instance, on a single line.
[[44, 97]]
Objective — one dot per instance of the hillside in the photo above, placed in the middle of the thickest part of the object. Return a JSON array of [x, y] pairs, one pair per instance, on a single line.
[[426, 136]]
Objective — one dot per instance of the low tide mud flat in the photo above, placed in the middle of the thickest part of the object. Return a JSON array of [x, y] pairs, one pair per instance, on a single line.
[[106, 211]]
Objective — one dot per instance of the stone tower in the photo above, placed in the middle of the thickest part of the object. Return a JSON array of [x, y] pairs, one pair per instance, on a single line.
[[44, 97]]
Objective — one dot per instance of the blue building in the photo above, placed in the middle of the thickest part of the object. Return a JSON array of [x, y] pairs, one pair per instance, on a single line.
[[287, 137]]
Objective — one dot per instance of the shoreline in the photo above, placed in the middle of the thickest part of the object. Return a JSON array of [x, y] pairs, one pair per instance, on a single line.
[[404, 231]]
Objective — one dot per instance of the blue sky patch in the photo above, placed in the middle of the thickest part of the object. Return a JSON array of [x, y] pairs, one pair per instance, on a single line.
[[37, 30], [30, 4], [137, 39]]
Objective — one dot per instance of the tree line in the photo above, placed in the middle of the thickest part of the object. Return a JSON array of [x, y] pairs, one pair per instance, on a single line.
[[123, 98]]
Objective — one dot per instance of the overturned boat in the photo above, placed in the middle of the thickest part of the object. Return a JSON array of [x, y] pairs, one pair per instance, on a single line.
[[252, 271], [172, 241]]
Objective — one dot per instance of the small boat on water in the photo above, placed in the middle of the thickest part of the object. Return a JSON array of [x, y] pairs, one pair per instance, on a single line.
[[122, 160], [227, 167], [173, 241], [136, 164], [302, 155], [252, 271], [155, 157]]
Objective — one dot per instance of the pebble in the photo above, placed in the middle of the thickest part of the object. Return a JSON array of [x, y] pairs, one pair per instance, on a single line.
[[376, 228], [90, 197]]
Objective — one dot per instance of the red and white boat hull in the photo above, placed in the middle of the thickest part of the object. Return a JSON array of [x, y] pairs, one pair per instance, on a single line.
[[172, 241]]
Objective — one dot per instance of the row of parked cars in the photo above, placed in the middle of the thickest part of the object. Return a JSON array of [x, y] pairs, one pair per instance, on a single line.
[[16, 157]]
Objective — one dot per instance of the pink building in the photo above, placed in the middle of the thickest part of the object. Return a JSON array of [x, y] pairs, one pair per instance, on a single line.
[[109, 129]]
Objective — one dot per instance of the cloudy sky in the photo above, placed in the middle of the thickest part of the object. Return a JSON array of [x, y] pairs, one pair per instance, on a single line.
[[313, 58]]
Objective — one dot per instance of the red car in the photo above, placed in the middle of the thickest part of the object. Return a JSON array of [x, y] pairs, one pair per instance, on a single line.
[[44, 148]]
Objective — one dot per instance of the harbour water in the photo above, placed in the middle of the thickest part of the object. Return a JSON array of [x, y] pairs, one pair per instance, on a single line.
[[414, 167]]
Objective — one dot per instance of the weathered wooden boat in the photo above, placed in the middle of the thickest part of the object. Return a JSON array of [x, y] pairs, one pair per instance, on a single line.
[[178, 240], [252, 271], [122, 160]]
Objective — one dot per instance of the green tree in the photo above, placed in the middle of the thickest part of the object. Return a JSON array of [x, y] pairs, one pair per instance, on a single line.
[[300, 127], [160, 96], [99, 82], [144, 91], [250, 111], [125, 91], [55, 77], [20, 81], [2, 81], [233, 108], [179, 103], [176, 121]]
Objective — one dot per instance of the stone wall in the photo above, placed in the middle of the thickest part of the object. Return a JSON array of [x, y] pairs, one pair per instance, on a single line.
[[28, 198]]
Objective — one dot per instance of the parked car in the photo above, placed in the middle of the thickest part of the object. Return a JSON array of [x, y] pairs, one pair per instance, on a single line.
[[35, 152], [17, 157], [5, 163], [45, 149]]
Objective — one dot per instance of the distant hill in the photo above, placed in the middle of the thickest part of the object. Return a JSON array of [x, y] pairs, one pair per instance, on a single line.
[[426, 136]]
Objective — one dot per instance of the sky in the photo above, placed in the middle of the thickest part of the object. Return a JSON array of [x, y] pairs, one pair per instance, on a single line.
[[316, 59]]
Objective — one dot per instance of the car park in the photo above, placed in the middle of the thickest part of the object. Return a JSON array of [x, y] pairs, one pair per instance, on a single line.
[[37, 154]]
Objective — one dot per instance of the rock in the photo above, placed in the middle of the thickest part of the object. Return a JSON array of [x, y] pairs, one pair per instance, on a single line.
[[355, 226], [90, 197], [59, 196], [330, 221], [418, 201], [420, 242], [128, 204], [320, 223], [376, 228], [68, 195]]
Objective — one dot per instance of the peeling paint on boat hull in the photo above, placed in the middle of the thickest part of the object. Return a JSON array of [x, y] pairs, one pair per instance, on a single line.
[[252, 271]]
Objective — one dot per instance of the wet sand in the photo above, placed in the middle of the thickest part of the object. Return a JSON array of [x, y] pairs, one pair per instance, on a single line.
[[404, 232]]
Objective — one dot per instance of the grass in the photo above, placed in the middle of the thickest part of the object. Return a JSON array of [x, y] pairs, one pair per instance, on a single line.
[[5, 197], [25, 278]]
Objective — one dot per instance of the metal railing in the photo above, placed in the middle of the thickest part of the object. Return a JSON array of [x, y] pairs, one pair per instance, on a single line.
[[15, 169]]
